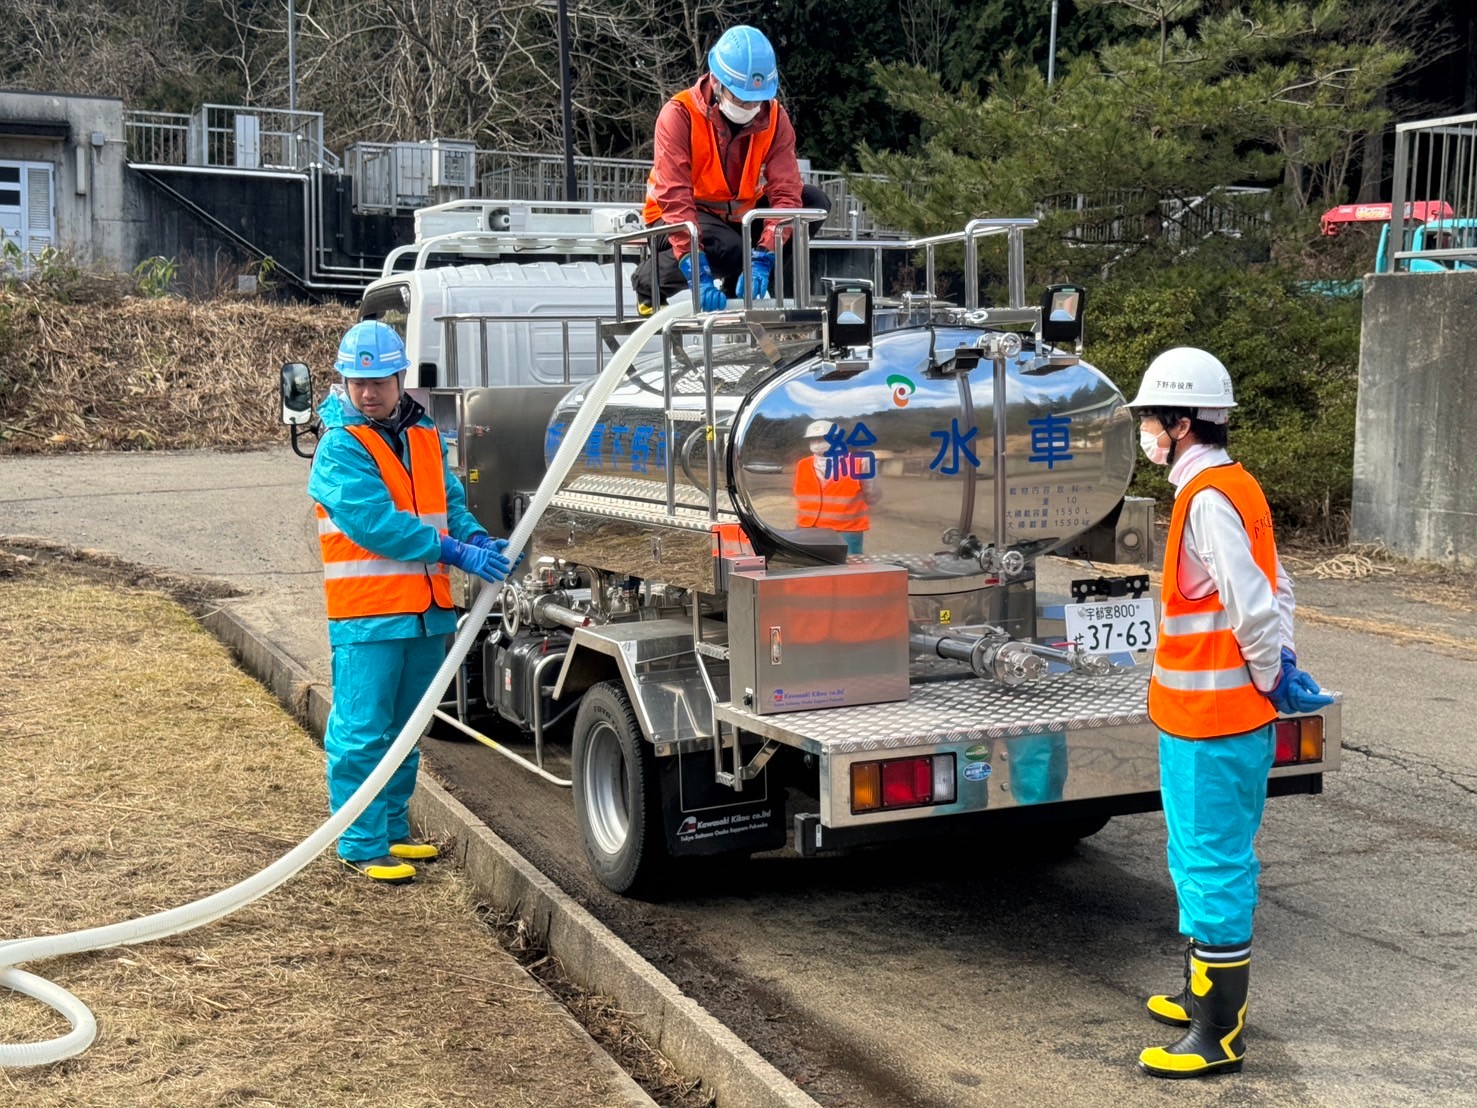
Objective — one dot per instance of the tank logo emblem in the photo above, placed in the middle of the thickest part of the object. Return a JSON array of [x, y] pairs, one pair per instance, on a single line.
[[977, 771], [902, 388], [1051, 439], [979, 752]]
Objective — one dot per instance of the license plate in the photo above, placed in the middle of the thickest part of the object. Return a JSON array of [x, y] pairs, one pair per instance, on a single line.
[[1101, 626]]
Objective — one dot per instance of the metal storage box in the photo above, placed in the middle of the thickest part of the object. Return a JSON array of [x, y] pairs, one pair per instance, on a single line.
[[827, 637]]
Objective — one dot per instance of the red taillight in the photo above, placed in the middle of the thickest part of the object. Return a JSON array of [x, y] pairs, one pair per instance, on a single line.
[[1287, 742], [909, 781], [903, 783], [1298, 740]]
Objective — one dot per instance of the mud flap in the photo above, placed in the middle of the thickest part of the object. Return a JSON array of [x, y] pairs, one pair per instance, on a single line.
[[701, 816]]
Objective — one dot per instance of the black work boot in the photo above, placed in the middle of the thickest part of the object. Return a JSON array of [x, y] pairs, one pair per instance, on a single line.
[[1219, 976], [1174, 1010]]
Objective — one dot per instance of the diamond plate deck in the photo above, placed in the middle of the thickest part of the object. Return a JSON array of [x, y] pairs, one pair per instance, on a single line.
[[968, 710]]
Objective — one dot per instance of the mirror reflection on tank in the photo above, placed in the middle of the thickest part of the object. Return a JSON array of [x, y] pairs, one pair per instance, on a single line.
[[889, 464]]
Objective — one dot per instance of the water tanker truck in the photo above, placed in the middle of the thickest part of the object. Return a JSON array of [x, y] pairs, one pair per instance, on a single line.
[[788, 593]]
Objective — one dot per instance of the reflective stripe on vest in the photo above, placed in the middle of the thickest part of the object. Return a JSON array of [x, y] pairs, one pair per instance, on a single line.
[[358, 582], [710, 188], [835, 502], [1201, 687]]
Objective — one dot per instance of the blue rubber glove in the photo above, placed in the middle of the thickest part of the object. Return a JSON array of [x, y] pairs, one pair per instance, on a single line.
[[763, 267], [490, 565], [711, 296], [1296, 693], [487, 542]]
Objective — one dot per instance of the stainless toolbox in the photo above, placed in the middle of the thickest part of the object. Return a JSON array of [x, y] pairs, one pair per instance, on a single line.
[[827, 637]]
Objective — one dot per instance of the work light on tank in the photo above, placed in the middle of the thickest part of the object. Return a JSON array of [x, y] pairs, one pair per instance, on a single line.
[[848, 312]]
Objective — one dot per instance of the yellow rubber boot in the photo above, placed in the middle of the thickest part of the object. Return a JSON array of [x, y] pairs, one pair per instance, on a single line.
[[387, 870], [413, 850], [1219, 978], [1174, 1010]]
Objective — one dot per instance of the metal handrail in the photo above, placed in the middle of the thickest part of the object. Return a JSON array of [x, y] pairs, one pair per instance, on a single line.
[[800, 219], [451, 352], [659, 232]]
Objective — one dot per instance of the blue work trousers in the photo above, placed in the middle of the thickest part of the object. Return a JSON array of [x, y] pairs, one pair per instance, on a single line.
[[1214, 791], [376, 686]]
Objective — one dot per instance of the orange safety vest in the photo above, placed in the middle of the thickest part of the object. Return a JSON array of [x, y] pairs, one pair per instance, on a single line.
[[1201, 687], [710, 187], [835, 502], [360, 582]]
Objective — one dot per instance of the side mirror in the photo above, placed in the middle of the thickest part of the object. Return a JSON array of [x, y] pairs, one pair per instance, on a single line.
[[297, 394]]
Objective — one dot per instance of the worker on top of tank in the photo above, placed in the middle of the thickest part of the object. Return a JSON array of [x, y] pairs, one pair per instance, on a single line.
[[391, 518], [828, 493], [723, 147], [1224, 668]]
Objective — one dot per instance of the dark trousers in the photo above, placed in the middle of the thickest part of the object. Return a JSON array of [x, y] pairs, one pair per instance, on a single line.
[[722, 242]]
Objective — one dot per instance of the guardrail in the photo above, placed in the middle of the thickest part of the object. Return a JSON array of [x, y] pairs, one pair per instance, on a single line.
[[226, 136], [400, 177], [1122, 217], [1436, 160]]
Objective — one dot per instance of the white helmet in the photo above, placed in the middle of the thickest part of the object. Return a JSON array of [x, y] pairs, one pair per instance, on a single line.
[[1186, 377], [818, 428]]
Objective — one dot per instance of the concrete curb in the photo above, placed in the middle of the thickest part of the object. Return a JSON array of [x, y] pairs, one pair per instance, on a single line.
[[592, 955]]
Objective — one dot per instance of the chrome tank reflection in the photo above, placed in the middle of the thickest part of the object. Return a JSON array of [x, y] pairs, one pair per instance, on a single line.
[[905, 463]]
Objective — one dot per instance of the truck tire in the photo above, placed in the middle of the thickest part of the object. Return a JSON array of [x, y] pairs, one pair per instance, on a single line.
[[617, 796]]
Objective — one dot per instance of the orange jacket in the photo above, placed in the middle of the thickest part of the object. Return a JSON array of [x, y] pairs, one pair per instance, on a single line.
[[699, 163], [359, 582], [837, 502], [1201, 687]]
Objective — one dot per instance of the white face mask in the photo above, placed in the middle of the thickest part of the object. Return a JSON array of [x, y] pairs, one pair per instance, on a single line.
[[1149, 444], [739, 113], [819, 448]]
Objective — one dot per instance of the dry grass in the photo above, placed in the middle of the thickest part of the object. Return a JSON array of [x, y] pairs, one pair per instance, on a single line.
[[143, 770], [135, 373]]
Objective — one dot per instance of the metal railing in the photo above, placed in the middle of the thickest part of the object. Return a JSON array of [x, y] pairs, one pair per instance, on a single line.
[[228, 136], [1129, 216], [1435, 159], [157, 138]]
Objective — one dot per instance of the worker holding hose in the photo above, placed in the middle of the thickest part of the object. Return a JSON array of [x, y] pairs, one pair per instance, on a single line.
[[1223, 671], [391, 518]]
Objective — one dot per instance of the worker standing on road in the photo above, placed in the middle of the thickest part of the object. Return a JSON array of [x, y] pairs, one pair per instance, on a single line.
[[1223, 670], [391, 517], [723, 147]]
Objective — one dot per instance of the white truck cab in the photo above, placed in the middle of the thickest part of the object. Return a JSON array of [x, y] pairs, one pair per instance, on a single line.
[[487, 292]]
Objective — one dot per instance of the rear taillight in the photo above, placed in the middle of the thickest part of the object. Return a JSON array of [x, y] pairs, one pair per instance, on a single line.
[[1298, 740], [902, 783]]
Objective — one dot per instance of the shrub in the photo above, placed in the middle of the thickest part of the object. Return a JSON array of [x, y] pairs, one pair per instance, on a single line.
[[1294, 360]]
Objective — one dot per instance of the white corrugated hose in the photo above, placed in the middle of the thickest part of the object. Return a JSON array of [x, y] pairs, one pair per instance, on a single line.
[[189, 916]]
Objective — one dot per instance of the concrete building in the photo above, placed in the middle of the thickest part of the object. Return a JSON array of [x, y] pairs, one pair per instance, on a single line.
[[62, 162]]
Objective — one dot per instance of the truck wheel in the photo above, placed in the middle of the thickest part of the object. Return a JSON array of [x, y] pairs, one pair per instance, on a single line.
[[617, 797]]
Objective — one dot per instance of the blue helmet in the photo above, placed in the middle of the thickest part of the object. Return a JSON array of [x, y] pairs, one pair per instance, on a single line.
[[743, 62], [371, 349]]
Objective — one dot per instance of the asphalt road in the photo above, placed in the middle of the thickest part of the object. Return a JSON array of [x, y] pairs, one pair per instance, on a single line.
[[977, 972]]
